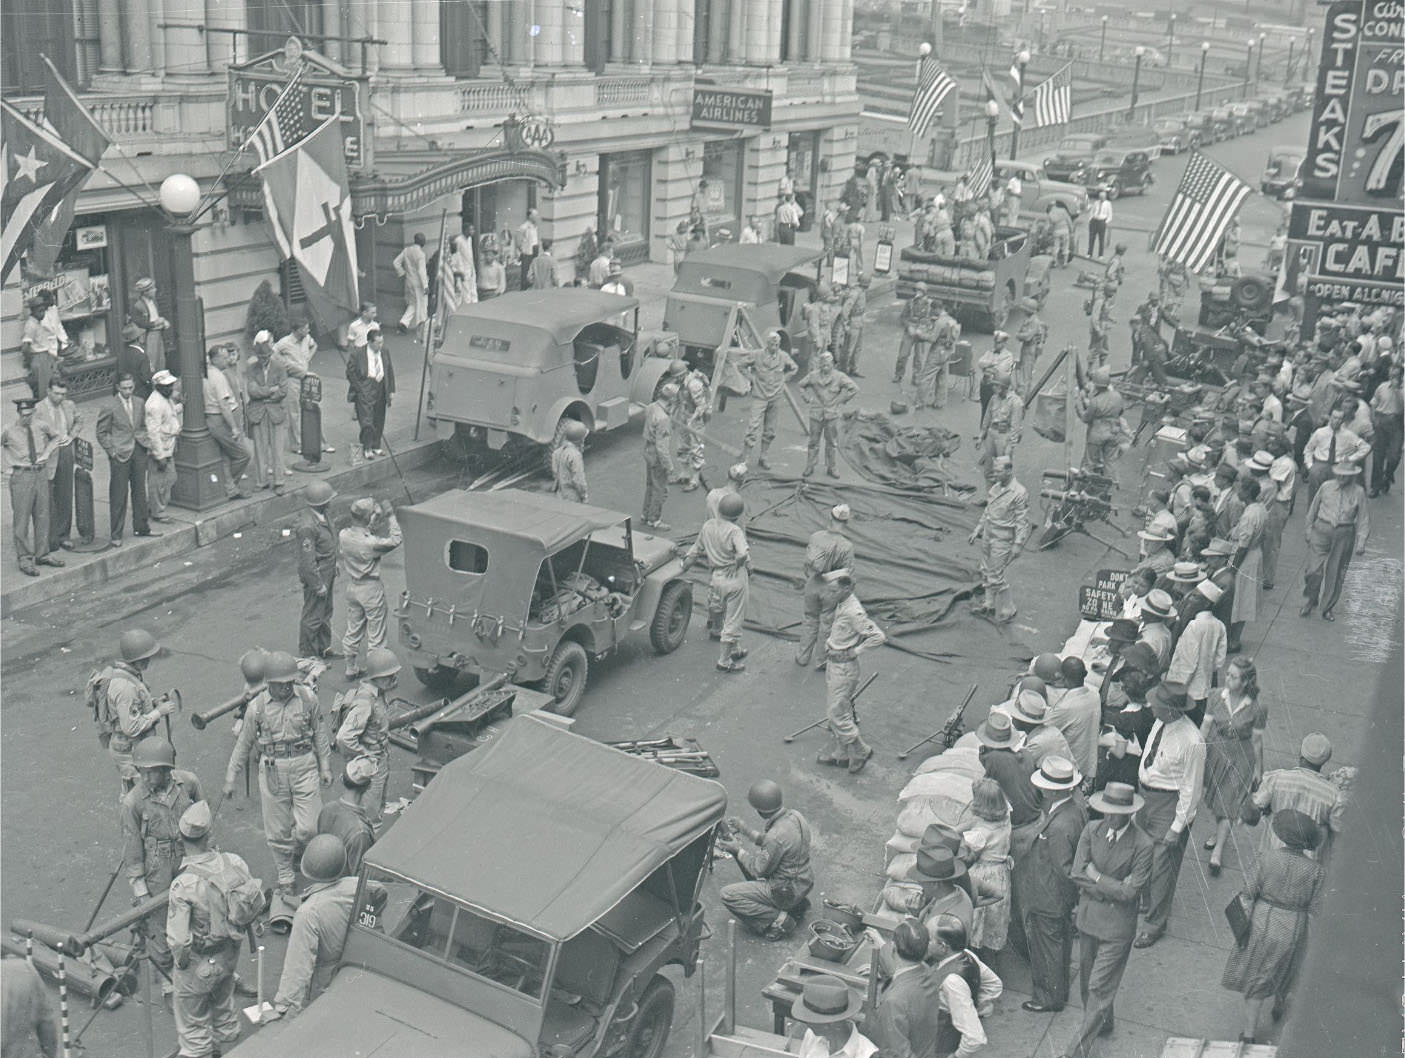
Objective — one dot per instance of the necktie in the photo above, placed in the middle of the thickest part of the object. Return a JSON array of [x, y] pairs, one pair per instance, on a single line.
[[1332, 451], [33, 452], [1150, 757]]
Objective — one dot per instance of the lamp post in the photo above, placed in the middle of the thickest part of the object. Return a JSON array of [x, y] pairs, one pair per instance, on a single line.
[[1259, 66], [1102, 40], [1307, 54], [1136, 78], [1288, 67], [1200, 77], [1021, 61], [1170, 39], [992, 115], [197, 486], [1249, 68]]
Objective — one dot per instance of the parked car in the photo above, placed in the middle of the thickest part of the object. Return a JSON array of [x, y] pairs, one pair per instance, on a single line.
[[1038, 192], [1072, 157], [524, 904], [1278, 107], [1201, 128], [1175, 135], [1224, 124], [1281, 179], [1258, 110], [1242, 118], [1120, 173], [534, 586]]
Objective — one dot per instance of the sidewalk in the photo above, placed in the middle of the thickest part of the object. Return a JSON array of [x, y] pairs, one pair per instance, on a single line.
[[188, 530]]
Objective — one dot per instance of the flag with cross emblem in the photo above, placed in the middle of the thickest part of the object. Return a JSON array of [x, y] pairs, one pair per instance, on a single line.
[[307, 197]]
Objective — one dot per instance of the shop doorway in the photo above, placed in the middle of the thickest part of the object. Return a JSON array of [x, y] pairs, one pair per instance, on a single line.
[[494, 212]]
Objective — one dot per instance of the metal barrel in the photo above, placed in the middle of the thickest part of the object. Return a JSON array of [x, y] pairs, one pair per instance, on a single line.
[[82, 978], [202, 719]]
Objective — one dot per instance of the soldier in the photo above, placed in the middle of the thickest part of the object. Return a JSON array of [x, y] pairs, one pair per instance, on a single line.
[[855, 310], [1001, 426], [1032, 335], [839, 326], [365, 732], [918, 322], [778, 873], [932, 372], [722, 541], [819, 322], [122, 704], [1116, 269], [736, 477], [998, 360], [658, 456], [828, 550], [317, 569], [568, 463], [692, 410], [769, 371], [1100, 320], [284, 721], [850, 635], [1100, 406], [827, 392], [151, 841], [1003, 529], [320, 925], [346, 818], [361, 552]]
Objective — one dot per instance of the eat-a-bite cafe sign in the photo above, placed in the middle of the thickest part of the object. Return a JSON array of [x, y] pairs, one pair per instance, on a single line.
[[726, 108], [1358, 252]]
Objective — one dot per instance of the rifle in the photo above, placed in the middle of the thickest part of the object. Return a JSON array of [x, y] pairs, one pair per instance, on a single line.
[[949, 731]]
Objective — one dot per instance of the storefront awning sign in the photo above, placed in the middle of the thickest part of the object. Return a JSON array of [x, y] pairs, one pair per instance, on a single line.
[[724, 108]]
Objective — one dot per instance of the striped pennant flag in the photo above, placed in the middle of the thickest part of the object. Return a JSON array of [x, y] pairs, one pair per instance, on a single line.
[[1205, 202], [933, 85], [982, 172], [1053, 99], [282, 126]]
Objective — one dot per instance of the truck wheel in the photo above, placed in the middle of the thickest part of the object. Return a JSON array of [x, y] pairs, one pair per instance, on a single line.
[[565, 677], [441, 678], [672, 617], [648, 1032]]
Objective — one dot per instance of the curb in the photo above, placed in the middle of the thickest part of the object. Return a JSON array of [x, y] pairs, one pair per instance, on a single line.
[[140, 552]]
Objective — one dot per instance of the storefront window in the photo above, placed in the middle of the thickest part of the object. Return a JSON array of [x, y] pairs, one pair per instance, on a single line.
[[624, 200], [81, 288], [802, 159], [721, 186]]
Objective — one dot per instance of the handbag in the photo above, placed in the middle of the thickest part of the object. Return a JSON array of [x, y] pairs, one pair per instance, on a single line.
[[1238, 919]]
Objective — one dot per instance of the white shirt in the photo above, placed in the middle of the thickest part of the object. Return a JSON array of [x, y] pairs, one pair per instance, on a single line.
[[356, 331], [411, 265], [965, 1008], [1014, 187], [856, 1046], [749, 236], [1200, 652], [789, 213], [1273, 408], [375, 366], [1178, 764], [1319, 446], [1102, 210], [163, 424], [1284, 464], [528, 238]]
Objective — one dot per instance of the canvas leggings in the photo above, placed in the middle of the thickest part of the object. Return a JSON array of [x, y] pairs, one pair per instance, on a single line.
[[291, 797]]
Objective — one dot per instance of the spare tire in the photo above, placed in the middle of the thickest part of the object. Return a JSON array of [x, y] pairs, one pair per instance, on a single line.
[[1253, 293]]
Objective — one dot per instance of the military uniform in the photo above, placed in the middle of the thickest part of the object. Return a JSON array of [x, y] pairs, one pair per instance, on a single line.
[[1001, 427], [778, 872], [1104, 438], [855, 309], [130, 714], [568, 472], [349, 823], [658, 460], [828, 394], [693, 408], [826, 552], [851, 630], [204, 999], [819, 327], [152, 849], [366, 733], [1099, 320], [315, 943], [919, 328], [317, 569], [366, 608], [768, 371], [1032, 334], [931, 373], [293, 751], [1003, 527], [723, 543]]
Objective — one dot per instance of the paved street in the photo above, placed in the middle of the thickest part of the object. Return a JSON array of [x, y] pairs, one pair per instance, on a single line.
[[211, 604]]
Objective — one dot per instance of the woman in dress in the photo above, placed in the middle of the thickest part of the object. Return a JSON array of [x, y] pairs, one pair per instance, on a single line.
[[985, 845], [1282, 891], [1233, 731], [1248, 540]]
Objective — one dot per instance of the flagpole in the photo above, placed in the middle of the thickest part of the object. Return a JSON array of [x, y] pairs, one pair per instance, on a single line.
[[433, 316]]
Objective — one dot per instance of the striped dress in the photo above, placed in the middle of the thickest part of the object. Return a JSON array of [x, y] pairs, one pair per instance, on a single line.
[[1284, 888]]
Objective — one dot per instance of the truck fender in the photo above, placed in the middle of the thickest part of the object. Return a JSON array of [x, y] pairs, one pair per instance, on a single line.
[[646, 378], [569, 408], [647, 603]]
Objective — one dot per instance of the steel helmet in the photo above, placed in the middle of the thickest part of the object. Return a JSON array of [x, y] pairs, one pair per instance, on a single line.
[[1045, 666], [153, 753], [324, 859], [1033, 683], [381, 662], [765, 796], [319, 494], [137, 644], [253, 664], [574, 431], [280, 667], [668, 391], [731, 506], [1100, 376], [1120, 248], [677, 367]]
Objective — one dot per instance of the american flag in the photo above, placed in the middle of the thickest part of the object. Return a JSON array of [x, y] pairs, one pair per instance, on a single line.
[[933, 85], [981, 173], [1053, 99], [283, 125], [1204, 204]]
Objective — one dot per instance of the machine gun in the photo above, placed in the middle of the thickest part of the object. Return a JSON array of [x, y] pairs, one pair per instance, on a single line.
[[1085, 497]]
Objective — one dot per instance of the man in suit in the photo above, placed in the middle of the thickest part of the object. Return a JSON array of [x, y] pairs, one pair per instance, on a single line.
[[121, 431], [1043, 889], [265, 379], [372, 380], [64, 419], [131, 360], [908, 1012], [27, 446], [1111, 867], [143, 312]]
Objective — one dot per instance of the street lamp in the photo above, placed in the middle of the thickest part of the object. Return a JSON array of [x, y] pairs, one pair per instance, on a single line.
[[1021, 61], [1200, 77], [1102, 41], [1288, 67], [197, 486], [1259, 67], [1170, 39], [992, 115], [1248, 67], [1136, 78]]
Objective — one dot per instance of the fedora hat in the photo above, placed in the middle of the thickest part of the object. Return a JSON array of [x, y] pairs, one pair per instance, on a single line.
[[1056, 773], [1028, 706], [1123, 631], [825, 999], [940, 836], [938, 865], [1345, 469], [131, 332], [1170, 694], [1158, 604], [1186, 573], [1116, 799], [1260, 460], [996, 731], [1218, 546], [1155, 534]]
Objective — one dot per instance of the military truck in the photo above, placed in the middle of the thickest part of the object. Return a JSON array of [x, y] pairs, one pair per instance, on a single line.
[[527, 903], [532, 586], [979, 294]]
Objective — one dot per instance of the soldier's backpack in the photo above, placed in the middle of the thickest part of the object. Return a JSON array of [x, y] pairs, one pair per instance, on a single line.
[[95, 698], [241, 900]]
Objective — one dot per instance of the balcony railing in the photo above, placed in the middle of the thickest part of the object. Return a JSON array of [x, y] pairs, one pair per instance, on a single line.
[[622, 91], [121, 115]]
